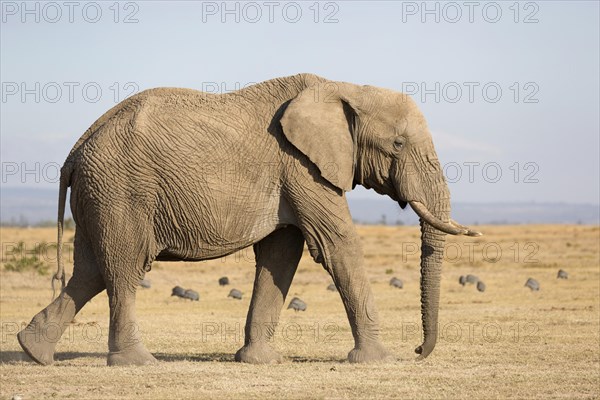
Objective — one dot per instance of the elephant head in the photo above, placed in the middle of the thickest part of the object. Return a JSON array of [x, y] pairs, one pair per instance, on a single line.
[[379, 139]]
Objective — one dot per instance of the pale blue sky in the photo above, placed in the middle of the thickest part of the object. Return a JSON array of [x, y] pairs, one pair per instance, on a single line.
[[554, 61]]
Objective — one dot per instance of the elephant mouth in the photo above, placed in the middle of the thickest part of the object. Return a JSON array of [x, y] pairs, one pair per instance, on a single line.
[[402, 204], [451, 227]]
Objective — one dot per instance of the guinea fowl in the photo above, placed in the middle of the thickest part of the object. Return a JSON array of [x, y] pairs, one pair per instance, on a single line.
[[481, 286], [397, 283], [178, 291], [191, 294], [224, 281], [532, 284], [562, 274], [297, 305]]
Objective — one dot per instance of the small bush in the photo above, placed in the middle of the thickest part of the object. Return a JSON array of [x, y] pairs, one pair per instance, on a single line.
[[19, 261], [23, 264]]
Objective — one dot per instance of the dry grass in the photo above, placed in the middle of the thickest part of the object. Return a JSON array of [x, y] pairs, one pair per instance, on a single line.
[[508, 342]]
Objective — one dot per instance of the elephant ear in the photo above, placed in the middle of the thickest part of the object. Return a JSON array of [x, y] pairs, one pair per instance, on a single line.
[[320, 123]]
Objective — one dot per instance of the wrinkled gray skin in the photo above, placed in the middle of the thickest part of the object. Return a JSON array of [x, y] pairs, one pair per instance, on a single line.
[[177, 174]]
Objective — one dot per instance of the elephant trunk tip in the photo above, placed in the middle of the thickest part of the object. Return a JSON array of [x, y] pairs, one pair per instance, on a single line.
[[424, 350]]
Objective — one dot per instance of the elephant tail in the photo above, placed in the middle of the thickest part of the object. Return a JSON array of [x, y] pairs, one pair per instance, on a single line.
[[65, 182]]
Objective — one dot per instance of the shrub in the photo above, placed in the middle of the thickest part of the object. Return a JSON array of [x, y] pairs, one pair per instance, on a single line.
[[19, 261]]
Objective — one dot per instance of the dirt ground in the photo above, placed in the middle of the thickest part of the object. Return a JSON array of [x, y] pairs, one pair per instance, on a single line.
[[507, 342]]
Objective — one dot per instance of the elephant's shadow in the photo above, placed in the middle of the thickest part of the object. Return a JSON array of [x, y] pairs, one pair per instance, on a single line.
[[9, 357], [206, 357], [229, 357]]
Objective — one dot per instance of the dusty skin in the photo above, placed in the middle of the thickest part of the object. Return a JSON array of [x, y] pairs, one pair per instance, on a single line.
[[523, 344]]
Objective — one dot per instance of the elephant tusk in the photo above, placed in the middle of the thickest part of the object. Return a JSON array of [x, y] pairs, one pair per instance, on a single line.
[[470, 232], [432, 220]]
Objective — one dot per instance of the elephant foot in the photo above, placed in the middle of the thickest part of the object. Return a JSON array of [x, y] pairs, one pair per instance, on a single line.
[[370, 353], [133, 355], [36, 346], [258, 353]]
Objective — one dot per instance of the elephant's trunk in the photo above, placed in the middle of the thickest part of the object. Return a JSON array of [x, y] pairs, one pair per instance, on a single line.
[[428, 195], [432, 248]]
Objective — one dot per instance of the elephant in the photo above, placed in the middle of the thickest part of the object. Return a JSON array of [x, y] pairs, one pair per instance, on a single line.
[[173, 174]]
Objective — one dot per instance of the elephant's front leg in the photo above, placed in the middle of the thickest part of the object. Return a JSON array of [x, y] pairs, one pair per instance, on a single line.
[[344, 262], [277, 258]]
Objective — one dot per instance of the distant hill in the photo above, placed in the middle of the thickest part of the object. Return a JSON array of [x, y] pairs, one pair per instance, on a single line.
[[31, 206], [377, 210]]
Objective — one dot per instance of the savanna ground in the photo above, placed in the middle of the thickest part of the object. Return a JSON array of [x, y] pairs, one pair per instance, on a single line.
[[508, 342]]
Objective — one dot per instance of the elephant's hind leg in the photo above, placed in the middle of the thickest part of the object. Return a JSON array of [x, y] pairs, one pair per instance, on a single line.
[[277, 258], [124, 341], [40, 337], [125, 255]]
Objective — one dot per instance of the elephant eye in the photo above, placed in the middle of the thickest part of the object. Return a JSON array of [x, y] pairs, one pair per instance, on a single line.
[[398, 143]]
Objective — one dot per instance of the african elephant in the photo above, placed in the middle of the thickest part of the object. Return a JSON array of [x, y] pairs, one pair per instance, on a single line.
[[176, 174]]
